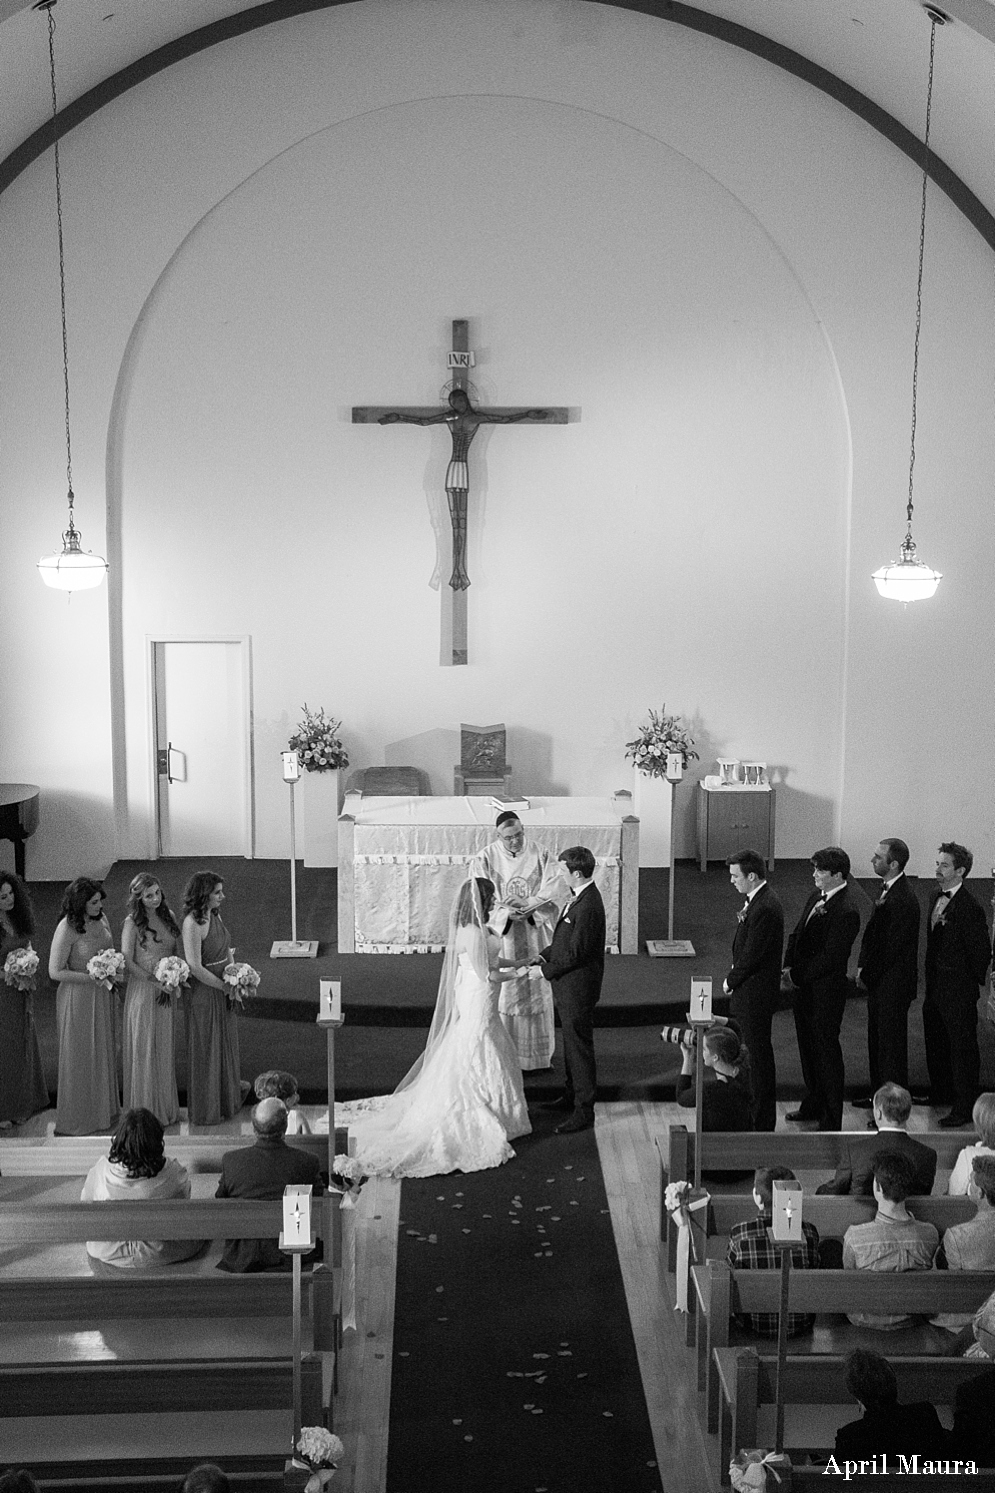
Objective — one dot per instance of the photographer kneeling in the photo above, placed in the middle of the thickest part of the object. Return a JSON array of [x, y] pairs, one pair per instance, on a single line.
[[727, 1089]]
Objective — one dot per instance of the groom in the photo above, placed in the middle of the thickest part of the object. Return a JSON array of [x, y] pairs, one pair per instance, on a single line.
[[574, 964]]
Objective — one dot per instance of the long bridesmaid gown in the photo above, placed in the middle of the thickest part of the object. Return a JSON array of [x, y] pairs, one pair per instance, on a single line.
[[213, 1089], [88, 1098], [149, 1067], [22, 1081]]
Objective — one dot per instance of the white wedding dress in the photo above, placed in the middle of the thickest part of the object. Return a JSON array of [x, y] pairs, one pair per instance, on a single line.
[[463, 1101]]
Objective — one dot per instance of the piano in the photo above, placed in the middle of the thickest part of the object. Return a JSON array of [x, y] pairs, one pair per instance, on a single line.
[[18, 817]]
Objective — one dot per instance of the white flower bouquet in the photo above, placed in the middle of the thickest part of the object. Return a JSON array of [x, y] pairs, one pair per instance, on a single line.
[[106, 968], [317, 743], [657, 739], [170, 974], [347, 1178], [319, 1451], [20, 968], [241, 980]]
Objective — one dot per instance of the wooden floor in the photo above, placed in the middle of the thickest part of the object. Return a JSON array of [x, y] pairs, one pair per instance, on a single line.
[[625, 1134]]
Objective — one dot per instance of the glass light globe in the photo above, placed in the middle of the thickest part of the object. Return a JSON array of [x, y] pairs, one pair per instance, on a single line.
[[908, 579], [72, 568]]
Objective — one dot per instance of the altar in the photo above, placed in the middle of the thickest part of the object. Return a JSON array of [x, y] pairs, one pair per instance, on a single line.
[[402, 860]]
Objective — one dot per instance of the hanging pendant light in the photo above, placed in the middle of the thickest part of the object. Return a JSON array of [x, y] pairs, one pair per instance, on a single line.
[[908, 579], [72, 568]]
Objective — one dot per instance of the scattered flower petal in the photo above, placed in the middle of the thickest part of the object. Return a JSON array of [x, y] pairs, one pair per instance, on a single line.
[[569, 1167], [529, 1406], [466, 1231], [574, 1203], [583, 1375], [467, 1438], [378, 1355], [555, 1218], [537, 1411], [514, 1374], [404, 1355], [458, 1421], [535, 1355], [564, 1353], [565, 1343]]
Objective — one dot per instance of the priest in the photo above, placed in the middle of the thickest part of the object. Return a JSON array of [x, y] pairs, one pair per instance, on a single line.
[[530, 894]]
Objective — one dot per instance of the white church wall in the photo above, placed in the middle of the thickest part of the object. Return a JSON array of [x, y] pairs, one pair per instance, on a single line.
[[708, 260]]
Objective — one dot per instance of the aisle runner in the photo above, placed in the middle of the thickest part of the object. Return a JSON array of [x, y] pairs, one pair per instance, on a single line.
[[514, 1366]]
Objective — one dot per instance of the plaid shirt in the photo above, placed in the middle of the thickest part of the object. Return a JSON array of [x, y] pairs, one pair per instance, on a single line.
[[751, 1249]]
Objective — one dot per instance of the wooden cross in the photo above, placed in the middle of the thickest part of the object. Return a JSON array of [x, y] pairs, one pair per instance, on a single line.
[[464, 420]]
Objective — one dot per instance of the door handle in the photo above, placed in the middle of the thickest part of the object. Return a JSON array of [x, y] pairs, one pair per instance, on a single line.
[[164, 763]]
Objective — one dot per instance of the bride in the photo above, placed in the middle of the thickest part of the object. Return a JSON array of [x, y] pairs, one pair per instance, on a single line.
[[463, 1100]]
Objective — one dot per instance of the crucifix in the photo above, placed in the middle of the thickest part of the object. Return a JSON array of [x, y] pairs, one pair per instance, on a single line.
[[464, 420]]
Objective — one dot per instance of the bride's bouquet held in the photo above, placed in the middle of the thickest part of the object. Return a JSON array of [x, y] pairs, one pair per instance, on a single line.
[[319, 1452], [171, 974], [347, 1178], [241, 980], [106, 968], [20, 968]]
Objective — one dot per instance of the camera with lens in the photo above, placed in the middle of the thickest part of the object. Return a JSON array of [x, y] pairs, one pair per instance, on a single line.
[[683, 1036]]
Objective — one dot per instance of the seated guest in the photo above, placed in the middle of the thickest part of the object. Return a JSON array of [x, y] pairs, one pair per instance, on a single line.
[[970, 1245], [892, 1106], [727, 1089], [136, 1167], [983, 1118], [18, 1480], [894, 1240], [263, 1171], [275, 1084], [206, 1477], [974, 1403], [750, 1248], [886, 1426]]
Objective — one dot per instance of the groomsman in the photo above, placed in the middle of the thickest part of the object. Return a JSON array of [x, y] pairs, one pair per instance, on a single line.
[[888, 968], [753, 982], [958, 951], [574, 964], [815, 971]]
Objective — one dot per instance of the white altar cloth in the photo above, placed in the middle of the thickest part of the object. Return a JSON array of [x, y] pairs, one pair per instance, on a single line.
[[401, 862]]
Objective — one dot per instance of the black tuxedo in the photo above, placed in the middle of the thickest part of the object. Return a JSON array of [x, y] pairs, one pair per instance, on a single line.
[[855, 1173], [889, 968], [574, 964], [958, 951], [263, 1171], [816, 958], [754, 984], [974, 1417]]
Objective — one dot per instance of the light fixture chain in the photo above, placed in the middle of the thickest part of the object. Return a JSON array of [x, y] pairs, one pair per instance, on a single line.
[[62, 256], [922, 250]]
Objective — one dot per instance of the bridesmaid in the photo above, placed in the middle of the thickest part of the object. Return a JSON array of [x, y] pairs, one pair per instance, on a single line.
[[214, 1090], [150, 933], [88, 1100], [22, 1083]]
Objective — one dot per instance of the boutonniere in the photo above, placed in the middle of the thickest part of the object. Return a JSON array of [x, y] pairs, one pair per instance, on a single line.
[[741, 915], [819, 910]]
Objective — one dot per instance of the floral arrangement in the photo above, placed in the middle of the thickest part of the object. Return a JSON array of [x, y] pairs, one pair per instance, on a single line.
[[661, 735], [170, 974], [317, 743], [347, 1176], [241, 980], [748, 1471], [20, 968], [106, 968], [319, 1451]]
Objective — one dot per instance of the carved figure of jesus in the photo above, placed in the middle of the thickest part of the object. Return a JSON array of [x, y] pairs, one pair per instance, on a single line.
[[464, 421]]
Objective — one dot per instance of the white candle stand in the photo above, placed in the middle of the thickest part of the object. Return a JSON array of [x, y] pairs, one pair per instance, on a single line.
[[671, 947], [295, 1240], [785, 1232], [330, 1018], [701, 1020], [293, 947]]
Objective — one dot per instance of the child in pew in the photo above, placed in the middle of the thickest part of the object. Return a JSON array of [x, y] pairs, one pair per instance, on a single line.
[[893, 1240], [970, 1245], [983, 1118], [750, 1249], [886, 1426], [137, 1168], [275, 1084]]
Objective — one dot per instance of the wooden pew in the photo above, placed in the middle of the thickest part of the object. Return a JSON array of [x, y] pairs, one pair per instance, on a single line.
[[810, 1150], [747, 1382], [721, 1293], [73, 1156], [246, 1474], [832, 1216]]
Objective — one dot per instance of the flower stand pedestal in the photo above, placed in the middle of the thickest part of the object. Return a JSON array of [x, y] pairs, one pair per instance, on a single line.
[[320, 803], [653, 802]]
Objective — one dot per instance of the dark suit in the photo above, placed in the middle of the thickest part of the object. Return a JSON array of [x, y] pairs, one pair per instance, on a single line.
[[958, 951], [898, 1430], [855, 1173], [754, 988], [263, 1171], [574, 964], [974, 1418], [889, 968], [816, 958]]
